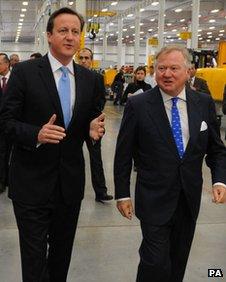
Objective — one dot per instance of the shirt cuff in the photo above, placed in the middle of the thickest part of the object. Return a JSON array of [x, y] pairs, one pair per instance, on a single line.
[[125, 199], [220, 183]]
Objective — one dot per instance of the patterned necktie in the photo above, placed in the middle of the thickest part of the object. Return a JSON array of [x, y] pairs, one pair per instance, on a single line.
[[64, 91], [3, 84], [176, 127]]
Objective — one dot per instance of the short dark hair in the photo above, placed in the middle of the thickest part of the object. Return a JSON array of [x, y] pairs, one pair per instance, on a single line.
[[140, 68], [87, 49], [36, 55], [5, 57], [64, 10]]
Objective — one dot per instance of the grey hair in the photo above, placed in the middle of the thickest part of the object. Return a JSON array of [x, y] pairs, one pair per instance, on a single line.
[[170, 48]]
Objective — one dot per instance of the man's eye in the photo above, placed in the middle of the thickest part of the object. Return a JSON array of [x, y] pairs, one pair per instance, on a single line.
[[62, 31], [75, 32]]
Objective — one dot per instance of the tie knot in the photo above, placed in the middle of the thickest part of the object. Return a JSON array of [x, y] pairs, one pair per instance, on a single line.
[[174, 101], [64, 70], [4, 79]]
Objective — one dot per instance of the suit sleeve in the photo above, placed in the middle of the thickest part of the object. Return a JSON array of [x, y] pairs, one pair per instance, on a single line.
[[216, 151], [204, 87], [11, 113], [101, 98], [124, 152]]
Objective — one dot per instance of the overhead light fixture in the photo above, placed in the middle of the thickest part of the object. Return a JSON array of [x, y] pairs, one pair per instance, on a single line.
[[22, 15], [199, 30], [141, 24], [209, 32], [200, 16], [215, 11], [129, 15], [20, 23], [23, 10], [95, 16], [25, 3], [200, 38], [212, 21], [141, 32], [132, 26], [150, 29], [114, 3], [212, 27], [155, 3], [142, 10], [182, 20], [222, 30], [168, 24], [111, 34], [71, 3], [210, 36], [21, 20], [124, 29], [174, 30], [152, 20], [104, 10], [178, 10], [111, 24], [220, 34], [208, 40], [218, 38]]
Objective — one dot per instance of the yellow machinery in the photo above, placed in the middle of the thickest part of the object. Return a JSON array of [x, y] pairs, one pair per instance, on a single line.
[[216, 77], [109, 76]]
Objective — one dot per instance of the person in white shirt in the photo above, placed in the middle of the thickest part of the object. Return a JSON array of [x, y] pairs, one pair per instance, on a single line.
[[150, 77]]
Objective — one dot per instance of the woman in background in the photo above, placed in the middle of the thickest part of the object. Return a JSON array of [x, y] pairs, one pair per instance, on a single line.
[[138, 86]]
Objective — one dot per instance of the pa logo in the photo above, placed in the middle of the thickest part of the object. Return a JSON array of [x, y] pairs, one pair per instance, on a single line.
[[215, 272]]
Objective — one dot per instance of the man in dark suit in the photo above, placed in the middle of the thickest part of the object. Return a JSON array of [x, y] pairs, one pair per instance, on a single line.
[[168, 130], [85, 59], [196, 83], [4, 145], [51, 106]]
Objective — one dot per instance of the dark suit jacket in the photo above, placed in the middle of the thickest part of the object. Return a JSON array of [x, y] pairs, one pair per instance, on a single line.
[[224, 101], [201, 85], [101, 90], [146, 134], [31, 99]]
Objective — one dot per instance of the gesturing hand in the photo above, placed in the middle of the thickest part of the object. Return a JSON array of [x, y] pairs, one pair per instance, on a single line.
[[97, 127], [126, 208], [51, 133]]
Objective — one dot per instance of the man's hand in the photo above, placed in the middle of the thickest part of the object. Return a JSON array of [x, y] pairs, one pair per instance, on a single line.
[[97, 130], [219, 194], [51, 133], [125, 208]]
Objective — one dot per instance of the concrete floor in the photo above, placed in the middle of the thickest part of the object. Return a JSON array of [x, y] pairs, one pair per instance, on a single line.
[[106, 245]]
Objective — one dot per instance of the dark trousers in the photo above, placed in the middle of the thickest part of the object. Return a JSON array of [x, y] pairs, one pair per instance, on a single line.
[[165, 249], [46, 234], [5, 149], [96, 167]]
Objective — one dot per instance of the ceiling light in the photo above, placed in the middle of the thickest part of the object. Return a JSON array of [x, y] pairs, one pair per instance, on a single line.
[[214, 11], [71, 3], [200, 38], [155, 3], [124, 29], [178, 10], [168, 24], [142, 32], [22, 15], [199, 30], [95, 16], [152, 20], [208, 40], [212, 27], [104, 10], [111, 34], [141, 24], [127, 36], [150, 29], [111, 24], [23, 10], [116, 32], [182, 20], [114, 3], [25, 3], [172, 40], [20, 23], [212, 21], [199, 35], [21, 20], [209, 32], [200, 16], [129, 15], [132, 26], [220, 34], [174, 30], [217, 38], [222, 30], [142, 10], [210, 36]]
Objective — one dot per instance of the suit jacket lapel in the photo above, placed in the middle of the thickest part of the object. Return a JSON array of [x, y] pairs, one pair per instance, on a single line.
[[158, 114], [194, 118], [49, 81]]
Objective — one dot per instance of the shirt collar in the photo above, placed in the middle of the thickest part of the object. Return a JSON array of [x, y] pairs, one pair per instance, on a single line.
[[55, 64], [166, 97], [7, 75]]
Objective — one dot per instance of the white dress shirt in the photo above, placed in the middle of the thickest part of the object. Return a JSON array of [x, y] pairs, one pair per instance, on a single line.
[[56, 65]]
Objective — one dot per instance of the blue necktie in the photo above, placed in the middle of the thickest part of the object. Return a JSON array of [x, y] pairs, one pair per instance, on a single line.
[[176, 127], [64, 91]]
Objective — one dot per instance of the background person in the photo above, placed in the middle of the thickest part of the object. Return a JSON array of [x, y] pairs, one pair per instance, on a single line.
[[171, 129], [139, 84], [85, 59], [49, 106]]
